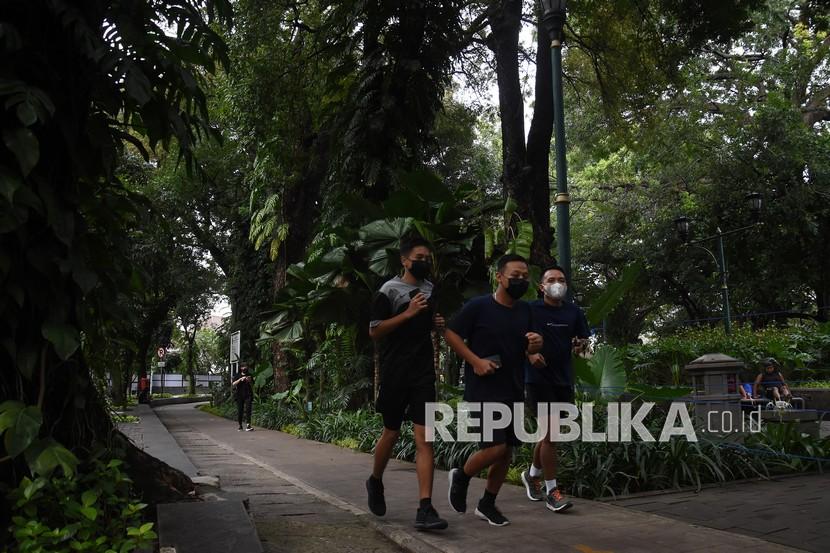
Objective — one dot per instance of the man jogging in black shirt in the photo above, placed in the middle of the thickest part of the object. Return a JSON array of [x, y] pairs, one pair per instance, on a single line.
[[402, 320], [243, 386], [493, 334], [549, 378]]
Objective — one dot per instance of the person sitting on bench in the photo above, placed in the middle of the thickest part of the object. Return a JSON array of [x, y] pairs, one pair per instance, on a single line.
[[772, 382], [746, 385]]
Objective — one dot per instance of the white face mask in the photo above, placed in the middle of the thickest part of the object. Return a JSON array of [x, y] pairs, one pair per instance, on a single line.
[[557, 290]]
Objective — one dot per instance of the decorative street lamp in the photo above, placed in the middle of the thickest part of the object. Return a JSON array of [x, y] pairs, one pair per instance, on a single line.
[[553, 19], [683, 226]]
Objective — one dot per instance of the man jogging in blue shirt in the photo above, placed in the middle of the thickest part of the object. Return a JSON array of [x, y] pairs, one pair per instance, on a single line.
[[549, 378], [493, 334]]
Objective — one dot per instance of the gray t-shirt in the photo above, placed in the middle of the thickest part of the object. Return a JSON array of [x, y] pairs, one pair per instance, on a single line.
[[406, 353]]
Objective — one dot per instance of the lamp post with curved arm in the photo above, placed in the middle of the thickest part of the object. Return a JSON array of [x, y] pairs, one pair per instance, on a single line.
[[683, 226]]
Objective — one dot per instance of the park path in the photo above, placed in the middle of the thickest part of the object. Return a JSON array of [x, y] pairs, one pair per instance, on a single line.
[[335, 476], [789, 511]]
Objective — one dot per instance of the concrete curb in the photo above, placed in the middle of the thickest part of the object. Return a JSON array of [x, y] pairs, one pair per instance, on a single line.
[[178, 400], [152, 436]]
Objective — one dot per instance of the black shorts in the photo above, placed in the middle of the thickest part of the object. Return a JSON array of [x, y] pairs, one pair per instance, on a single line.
[[398, 404], [536, 393], [500, 435]]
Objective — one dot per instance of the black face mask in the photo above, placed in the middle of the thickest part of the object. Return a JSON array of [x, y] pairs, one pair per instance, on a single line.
[[517, 288], [420, 269]]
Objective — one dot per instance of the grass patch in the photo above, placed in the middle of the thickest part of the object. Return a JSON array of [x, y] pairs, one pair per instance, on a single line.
[[814, 384], [208, 408]]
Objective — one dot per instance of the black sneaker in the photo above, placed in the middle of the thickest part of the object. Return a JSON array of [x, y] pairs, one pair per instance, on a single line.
[[457, 494], [239, 429], [248, 428], [428, 519], [556, 503], [377, 503], [491, 514]]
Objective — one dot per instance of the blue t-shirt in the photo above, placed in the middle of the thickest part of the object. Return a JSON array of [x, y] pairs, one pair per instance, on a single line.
[[491, 328], [557, 325]]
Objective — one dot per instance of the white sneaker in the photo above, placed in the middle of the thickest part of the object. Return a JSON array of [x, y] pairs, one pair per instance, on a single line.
[[248, 428]]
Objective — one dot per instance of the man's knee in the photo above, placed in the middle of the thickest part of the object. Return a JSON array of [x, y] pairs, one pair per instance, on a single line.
[[500, 452], [421, 443], [390, 434]]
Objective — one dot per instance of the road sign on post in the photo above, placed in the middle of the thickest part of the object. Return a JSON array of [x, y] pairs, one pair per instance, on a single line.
[[236, 341], [161, 353]]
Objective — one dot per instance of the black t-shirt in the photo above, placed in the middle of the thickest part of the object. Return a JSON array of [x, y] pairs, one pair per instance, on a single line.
[[557, 325], [244, 388], [491, 328], [771, 380], [406, 354]]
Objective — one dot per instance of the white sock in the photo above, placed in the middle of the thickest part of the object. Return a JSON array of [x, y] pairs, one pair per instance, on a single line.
[[535, 472], [550, 484]]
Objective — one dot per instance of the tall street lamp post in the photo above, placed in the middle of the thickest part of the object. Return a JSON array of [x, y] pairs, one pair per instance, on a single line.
[[683, 226], [553, 18]]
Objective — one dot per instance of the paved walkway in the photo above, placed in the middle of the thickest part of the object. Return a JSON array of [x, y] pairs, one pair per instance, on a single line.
[[336, 476], [790, 511]]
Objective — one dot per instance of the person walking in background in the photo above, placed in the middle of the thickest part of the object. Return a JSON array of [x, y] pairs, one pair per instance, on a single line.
[[493, 334], [549, 378], [401, 323], [244, 392]]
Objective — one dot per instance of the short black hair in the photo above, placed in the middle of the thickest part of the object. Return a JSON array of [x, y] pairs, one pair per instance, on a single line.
[[505, 259], [409, 243], [770, 362], [554, 267]]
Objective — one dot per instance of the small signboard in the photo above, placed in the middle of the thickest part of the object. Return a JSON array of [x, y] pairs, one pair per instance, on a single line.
[[236, 342]]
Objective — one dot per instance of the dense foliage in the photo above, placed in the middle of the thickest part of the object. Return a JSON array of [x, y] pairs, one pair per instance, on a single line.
[[93, 511]]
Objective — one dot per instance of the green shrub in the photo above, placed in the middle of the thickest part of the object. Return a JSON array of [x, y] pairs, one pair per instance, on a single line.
[[802, 347], [292, 429], [121, 418], [785, 449], [91, 510], [350, 443]]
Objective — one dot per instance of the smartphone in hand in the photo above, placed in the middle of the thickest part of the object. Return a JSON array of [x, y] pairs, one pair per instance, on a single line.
[[496, 359]]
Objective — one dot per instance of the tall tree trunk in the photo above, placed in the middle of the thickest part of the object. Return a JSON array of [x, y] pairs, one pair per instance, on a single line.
[[299, 210], [505, 23], [525, 166], [823, 287], [538, 155], [117, 386], [191, 376], [141, 354]]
